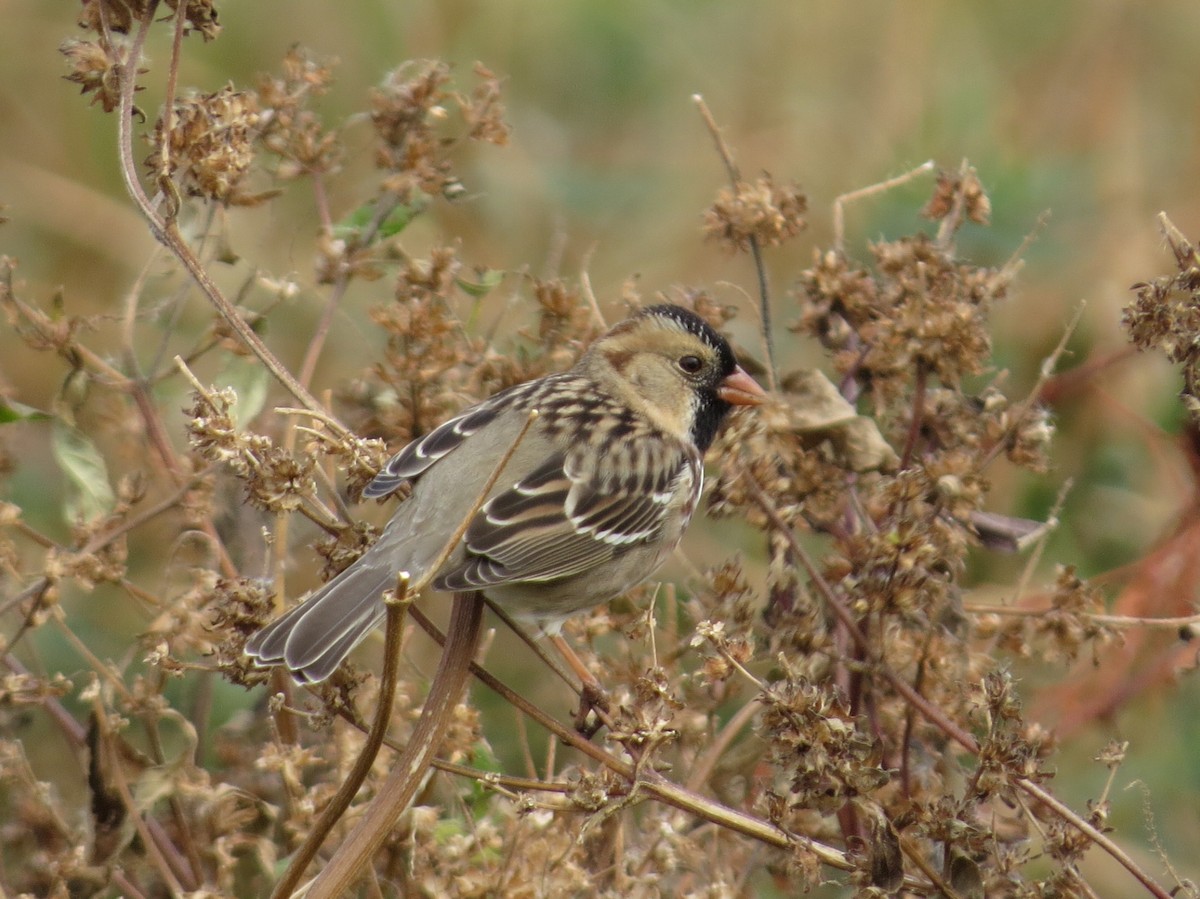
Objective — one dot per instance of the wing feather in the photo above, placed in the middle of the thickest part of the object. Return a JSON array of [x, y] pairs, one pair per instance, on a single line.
[[417, 456], [571, 514]]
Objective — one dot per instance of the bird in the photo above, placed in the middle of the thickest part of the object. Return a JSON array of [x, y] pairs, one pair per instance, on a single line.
[[596, 493]]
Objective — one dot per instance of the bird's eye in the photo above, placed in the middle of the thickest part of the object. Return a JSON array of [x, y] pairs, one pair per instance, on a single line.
[[691, 364]]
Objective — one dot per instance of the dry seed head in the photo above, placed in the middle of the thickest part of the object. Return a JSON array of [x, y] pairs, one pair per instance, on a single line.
[[404, 110], [1166, 315], [94, 69], [210, 145], [959, 187], [761, 210], [483, 111], [288, 128], [117, 15]]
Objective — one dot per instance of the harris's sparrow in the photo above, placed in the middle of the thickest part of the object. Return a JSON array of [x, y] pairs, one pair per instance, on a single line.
[[596, 494]]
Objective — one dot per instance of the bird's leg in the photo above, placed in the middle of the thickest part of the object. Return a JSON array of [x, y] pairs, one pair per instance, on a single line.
[[592, 696]]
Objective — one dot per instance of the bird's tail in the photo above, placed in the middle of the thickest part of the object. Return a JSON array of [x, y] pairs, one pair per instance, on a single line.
[[313, 638]]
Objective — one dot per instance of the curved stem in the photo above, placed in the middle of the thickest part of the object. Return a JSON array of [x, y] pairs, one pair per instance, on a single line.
[[167, 233], [350, 859], [396, 606]]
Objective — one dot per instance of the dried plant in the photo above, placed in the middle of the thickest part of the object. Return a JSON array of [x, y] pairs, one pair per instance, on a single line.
[[836, 703]]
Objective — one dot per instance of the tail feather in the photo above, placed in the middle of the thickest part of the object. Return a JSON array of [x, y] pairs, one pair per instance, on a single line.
[[313, 638]]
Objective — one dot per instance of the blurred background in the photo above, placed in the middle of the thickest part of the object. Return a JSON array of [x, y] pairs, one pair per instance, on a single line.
[[1085, 110]]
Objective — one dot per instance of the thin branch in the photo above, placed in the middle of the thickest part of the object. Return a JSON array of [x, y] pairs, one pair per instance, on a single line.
[[1044, 375], [168, 188], [871, 190], [1039, 547], [127, 73], [585, 285], [527, 708], [1166, 624], [149, 843], [533, 645], [384, 206], [760, 268], [703, 767]]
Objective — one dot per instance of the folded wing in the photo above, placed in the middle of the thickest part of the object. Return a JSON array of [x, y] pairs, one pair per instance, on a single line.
[[572, 513]]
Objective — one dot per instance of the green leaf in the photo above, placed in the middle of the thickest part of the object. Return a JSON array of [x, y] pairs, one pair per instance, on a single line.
[[90, 495], [484, 282], [353, 225], [11, 410], [399, 218]]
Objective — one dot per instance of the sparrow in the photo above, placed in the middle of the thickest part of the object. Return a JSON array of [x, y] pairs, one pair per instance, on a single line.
[[595, 495]]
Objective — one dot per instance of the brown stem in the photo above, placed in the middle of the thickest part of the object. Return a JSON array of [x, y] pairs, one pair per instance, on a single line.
[[760, 268], [348, 862], [384, 207], [910, 719], [167, 231], [841, 202], [154, 850], [918, 416], [172, 86], [1022, 409], [704, 764], [190, 874], [396, 606]]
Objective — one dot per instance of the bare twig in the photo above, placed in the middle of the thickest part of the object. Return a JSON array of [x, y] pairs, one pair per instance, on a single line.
[[384, 206], [1130, 621], [760, 268], [585, 285], [152, 846], [1044, 374], [839, 204], [704, 765]]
